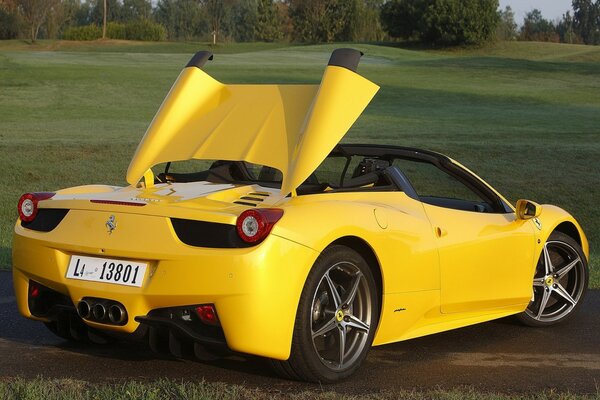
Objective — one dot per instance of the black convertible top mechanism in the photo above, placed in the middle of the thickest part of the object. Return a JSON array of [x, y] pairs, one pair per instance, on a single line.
[[346, 58], [199, 59]]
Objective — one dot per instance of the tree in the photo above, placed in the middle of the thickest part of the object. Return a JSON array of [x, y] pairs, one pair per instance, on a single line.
[[9, 20], [241, 21], [60, 16], [104, 10], [442, 22], [216, 12], [268, 24], [566, 31], [507, 27], [460, 22], [283, 12], [586, 20], [34, 13], [183, 19], [83, 14], [136, 10], [364, 23], [403, 18], [537, 28], [317, 21], [113, 11]]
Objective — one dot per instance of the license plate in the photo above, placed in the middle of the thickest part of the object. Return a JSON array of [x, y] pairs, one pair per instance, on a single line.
[[107, 270]]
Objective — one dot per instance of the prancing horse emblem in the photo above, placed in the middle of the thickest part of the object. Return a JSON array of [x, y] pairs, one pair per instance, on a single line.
[[111, 224]]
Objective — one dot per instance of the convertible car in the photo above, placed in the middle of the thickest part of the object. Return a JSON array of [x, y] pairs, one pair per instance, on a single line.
[[247, 228]]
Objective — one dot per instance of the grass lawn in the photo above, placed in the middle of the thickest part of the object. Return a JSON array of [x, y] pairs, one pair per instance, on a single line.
[[524, 116], [68, 389]]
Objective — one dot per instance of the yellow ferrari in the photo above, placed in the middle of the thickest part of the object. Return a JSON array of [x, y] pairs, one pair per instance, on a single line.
[[247, 228]]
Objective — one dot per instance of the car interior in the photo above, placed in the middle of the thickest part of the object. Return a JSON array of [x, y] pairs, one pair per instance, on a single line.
[[425, 176]]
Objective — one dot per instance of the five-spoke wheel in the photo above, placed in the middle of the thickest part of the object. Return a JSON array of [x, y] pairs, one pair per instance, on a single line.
[[336, 320], [559, 283], [341, 315]]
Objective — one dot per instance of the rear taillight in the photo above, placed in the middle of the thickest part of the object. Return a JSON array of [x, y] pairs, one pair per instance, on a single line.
[[256, 224], [34, 289], [28, 204]]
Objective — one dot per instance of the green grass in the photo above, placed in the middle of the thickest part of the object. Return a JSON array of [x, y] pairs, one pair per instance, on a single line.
[[68, 389], [525, 116]]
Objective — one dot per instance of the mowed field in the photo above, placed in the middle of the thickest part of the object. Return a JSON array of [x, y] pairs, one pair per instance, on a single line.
[[524, 116]]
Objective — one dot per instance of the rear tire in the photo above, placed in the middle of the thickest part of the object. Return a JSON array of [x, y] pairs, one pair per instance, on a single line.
[[336, 319], [559, 284]]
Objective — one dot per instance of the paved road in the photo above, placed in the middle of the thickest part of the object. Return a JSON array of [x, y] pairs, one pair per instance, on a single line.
[[497, 356]]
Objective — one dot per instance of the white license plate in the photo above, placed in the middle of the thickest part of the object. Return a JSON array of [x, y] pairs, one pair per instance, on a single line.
[[107, 270]]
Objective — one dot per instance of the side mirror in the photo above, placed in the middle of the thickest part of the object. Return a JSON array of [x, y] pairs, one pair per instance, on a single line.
[[527, 209]]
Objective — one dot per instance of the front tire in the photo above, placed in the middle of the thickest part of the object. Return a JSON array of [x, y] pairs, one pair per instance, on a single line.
[[336, 319], [559, 284]]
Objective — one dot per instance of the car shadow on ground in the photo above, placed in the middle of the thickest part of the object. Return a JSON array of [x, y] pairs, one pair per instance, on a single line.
[[136, 360]]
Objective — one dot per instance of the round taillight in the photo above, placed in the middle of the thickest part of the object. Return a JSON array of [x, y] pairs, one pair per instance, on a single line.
[[28, 205], [254, 225]]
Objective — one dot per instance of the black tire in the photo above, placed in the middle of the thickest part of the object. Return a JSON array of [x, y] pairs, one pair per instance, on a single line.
[[559, 284], [324, 320]]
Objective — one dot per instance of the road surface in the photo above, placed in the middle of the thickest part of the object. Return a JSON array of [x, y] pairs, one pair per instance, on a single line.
[[500, 356]]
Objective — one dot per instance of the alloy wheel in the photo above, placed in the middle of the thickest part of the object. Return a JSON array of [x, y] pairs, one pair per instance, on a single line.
[[341, 312], [559, 282]]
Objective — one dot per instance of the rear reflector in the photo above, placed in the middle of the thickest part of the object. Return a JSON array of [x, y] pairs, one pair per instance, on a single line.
[[207, 314], [34, 289]]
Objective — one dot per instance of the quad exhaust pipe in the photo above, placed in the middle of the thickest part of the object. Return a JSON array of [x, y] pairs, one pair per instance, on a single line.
[[84, 309], [117, 314], [102, 310], [99, 311]]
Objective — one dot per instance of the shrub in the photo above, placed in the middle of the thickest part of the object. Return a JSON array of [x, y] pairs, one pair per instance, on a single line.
[[142, 29], [146, 30], [86, 32], [115, 30]]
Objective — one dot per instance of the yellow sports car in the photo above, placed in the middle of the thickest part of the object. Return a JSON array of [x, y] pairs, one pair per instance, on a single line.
[[247, 228]]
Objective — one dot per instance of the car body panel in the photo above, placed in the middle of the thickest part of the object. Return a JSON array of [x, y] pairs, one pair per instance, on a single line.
[[485, 259], [248, 286], [288, 127], [207, 201], [550, 219]]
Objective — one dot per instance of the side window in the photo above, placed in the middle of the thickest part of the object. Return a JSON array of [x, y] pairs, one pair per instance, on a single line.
[[437, 187]]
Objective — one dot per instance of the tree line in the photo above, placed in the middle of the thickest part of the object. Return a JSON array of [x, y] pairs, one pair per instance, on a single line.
[[580, 25], [437, 22], [309, 21]]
